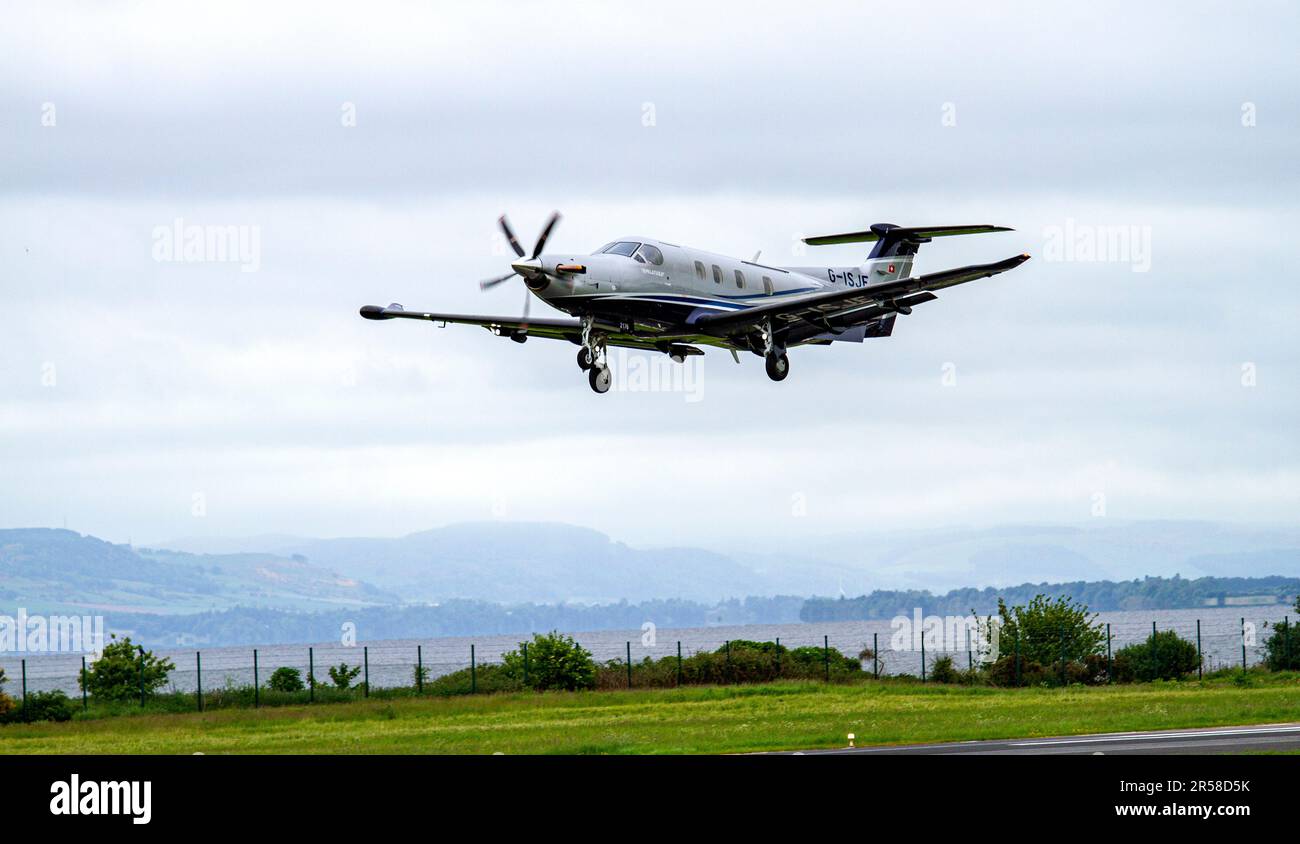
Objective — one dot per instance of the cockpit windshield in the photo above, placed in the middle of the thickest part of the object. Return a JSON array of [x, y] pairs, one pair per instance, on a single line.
[[619, 247]]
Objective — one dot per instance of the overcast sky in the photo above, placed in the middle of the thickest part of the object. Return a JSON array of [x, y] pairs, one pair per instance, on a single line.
[[370, 148]]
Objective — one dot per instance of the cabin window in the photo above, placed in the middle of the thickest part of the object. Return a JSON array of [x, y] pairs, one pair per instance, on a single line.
[[767, 285], [717, 274], [740, 279], [650, 254], [623, 247], [699, 270]]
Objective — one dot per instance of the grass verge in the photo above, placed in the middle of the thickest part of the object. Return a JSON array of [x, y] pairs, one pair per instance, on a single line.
[[785, 715]]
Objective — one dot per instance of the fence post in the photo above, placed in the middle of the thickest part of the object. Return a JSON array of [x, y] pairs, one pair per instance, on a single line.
[[970, 661], [85, 704], [473, 672], [1018, 650], [365, 658], [1110, 669], [198, 676], [1200, 660], [311, 675], [826, 656], [257, 686], [419, 669], [1155, 649], [1243, 643], [875, 652], [141, 647], [922, 655], [525, 646], [629, 665], [1062, 648], [24, 689], [679, 662]]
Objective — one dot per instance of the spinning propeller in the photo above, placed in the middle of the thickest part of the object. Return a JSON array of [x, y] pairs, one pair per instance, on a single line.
[[529, 269]]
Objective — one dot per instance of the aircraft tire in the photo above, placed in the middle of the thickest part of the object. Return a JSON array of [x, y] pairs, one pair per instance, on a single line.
[[585, 358], [599, 378], [778, 366]]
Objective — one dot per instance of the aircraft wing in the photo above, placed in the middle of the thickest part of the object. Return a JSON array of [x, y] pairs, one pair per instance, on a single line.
[[850, 306], [538, 327], [557, 329]]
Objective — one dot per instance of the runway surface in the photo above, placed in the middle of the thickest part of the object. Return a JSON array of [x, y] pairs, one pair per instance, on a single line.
[[1263, 737]]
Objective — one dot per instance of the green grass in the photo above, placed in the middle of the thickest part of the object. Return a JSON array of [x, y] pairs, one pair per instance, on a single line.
[[690, 720]]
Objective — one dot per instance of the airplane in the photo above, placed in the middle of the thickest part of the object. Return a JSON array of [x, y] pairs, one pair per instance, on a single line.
[[644, 293]]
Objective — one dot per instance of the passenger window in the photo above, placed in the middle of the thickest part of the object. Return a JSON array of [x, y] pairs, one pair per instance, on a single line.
[[651, 254], [717, 274], [699, 269], [767, 285], [740, 279]]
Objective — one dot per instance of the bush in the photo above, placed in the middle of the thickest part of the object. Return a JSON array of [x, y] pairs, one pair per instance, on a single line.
[[942, 671], [1049, 631], [343, 674], [1163, 656], [555, 661], [117, 673], [285, 679], [1282, 648], [40, 706]]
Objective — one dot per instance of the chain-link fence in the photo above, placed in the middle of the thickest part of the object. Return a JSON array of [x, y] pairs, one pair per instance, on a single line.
[[882, 648]]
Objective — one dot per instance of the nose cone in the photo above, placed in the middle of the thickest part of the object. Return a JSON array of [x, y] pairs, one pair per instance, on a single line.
[[527, 267]]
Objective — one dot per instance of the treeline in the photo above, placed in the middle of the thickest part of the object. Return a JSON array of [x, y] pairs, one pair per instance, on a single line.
[[1148, 593], [255, 626]]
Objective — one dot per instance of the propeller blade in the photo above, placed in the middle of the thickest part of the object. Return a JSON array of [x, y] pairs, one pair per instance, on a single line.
[[510, 236], [546, 233], [493, 282]]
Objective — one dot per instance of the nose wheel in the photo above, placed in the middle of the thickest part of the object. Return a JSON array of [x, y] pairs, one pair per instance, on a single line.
[[778, 366], [586, 358]]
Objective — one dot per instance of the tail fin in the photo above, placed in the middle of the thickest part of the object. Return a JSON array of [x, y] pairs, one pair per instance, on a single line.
[[896, 246]]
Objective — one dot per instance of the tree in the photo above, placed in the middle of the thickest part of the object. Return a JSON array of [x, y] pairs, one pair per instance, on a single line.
[[1282, 647], [343, 674], [1163, 656], [6, 702], [123, 669], [1049, 631], [285, 679], [555, 661]]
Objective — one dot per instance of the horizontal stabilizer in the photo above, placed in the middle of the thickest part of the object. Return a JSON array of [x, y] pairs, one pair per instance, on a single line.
[[918, 234]]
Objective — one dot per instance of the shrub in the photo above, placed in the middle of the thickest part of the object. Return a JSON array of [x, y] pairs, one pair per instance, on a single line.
[[1049, 631], [343, 674], [942, 671], [1163, 656], [123, 670], [40, 706], [1282, 648], [555, 661], [285, 679]]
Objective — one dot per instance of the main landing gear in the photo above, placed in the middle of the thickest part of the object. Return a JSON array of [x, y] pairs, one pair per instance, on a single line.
[[778, 366], [591, 359], [778, 363]]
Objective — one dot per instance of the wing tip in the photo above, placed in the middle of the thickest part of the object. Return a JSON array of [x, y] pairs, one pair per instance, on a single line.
[[374, 312]]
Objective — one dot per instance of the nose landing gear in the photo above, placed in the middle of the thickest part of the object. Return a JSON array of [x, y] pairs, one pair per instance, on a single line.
[[778, 366]]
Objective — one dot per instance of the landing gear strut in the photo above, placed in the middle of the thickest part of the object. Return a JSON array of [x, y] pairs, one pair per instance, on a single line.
[[778, 364], [591, 358]]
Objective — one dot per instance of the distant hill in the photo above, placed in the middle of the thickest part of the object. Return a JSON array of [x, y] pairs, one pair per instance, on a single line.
[[46, 570]]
